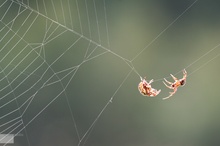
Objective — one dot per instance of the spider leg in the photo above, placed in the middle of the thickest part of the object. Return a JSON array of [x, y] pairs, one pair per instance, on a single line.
[[167, 97], [167, 86], [184, 73], [158, 92], [141, 78], [154, 92], [168, 81], [183, 80], [151, 81], [174, 77], [174, 91], [171, 94]]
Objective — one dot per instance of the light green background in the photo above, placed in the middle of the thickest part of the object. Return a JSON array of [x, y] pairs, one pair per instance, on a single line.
[[189, 118]]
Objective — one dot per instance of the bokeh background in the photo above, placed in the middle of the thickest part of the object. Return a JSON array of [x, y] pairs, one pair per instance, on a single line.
[[62, 62]]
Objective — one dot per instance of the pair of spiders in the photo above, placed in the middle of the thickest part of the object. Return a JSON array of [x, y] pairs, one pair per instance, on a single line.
[[146, 89]]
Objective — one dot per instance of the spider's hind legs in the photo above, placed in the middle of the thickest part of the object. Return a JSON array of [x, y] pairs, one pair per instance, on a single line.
[[167, 81], [175, 79], [167, 85]]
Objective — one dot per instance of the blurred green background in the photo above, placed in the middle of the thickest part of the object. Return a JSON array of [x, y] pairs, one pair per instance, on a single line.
[[62, 61]]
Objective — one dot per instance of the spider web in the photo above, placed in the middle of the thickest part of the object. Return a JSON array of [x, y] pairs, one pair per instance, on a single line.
[[62, 65]]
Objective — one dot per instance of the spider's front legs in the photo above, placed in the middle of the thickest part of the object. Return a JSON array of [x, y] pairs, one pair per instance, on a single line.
[[184, 73]]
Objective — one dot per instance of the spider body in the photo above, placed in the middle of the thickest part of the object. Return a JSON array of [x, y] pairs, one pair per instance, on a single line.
[[146, 90], [177, 83]]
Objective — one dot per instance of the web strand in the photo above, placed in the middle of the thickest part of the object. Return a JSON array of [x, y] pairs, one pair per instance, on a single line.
[[42, 67], [104, 108], [146, 47], [197, 60]]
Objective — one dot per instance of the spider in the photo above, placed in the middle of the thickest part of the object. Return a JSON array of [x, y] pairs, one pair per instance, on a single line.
[[177, 83], [146, 89]]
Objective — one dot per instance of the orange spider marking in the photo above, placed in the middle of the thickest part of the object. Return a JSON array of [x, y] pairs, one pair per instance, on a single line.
[[145, 88], [177, 83]]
